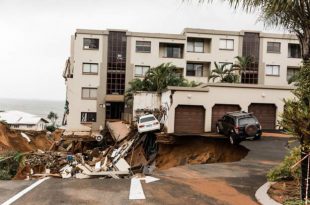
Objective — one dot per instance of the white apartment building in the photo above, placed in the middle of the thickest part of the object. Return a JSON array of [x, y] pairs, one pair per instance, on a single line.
[[102, 62]]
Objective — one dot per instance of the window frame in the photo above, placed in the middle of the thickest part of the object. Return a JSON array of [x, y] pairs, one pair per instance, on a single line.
[[143, 67], [194, 69], [227, 39], [296, 70], [173, 47], [194, 41], [272, 42], [89, 93], [97, 39], [87, 117], [150, 46], [275, 75], [289, 50], [90, 73]]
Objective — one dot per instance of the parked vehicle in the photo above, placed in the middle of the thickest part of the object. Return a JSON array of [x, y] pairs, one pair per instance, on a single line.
[[239, 126], [148, 123]]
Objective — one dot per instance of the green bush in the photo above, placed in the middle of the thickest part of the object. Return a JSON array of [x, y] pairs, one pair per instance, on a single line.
[[295, 202], [9, 163], [51, 128], [283, 171]]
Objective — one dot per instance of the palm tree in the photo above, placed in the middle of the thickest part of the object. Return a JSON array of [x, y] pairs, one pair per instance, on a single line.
[[156, 80], [226, 75], [243, 63]]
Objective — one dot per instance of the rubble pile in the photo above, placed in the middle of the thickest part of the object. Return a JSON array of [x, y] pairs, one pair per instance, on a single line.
[[106, 158]]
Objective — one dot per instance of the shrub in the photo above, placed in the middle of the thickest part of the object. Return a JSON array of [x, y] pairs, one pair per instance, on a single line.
[[283, 171], [9, 163], [51, 128]]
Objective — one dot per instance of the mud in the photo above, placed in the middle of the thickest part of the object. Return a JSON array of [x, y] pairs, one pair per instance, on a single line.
[[12, 140], [198, 150]]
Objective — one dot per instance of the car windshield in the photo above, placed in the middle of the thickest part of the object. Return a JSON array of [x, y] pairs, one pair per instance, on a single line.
[[247, 121], [147, 119]]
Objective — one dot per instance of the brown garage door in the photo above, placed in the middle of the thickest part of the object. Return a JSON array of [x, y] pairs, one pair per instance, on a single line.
[[219, 110], [189, 119], [265, 113]]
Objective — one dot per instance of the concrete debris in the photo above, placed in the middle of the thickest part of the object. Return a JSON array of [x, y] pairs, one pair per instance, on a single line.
[[118, 130], [25, 136]]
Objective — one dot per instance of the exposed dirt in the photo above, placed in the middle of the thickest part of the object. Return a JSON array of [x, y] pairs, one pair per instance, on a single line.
[[198, 150], [285, 190], [12, 140]]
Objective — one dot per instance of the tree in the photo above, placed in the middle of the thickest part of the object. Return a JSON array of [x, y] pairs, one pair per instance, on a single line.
[[53, 117], [295, 17], [226, 75], [243, 63], [157, 79]]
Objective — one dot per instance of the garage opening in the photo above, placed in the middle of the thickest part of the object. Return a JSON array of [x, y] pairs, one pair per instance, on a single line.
[[189, 119], [219, 110], [266, 114]]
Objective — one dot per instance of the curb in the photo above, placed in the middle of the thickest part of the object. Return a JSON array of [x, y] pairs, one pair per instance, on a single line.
[[262, 196]]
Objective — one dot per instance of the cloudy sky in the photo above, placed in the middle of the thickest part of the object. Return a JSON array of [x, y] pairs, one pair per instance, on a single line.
[[35, 34]]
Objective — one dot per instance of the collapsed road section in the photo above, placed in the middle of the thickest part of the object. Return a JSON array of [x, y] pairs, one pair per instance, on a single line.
[[120, 152]]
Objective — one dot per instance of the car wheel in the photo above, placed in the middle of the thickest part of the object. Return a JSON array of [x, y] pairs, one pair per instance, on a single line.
[[233, 140]]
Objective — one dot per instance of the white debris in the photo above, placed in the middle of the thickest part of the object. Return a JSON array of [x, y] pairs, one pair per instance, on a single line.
[[25, 136]]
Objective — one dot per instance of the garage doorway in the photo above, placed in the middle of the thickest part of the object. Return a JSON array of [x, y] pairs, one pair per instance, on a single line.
[[219, 110], [189, 119], [266, 114]]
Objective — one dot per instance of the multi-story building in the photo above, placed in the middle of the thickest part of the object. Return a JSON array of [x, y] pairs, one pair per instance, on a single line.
[[102, 62]]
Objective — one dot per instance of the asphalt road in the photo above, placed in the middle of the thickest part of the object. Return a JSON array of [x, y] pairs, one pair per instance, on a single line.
[[222, 183]]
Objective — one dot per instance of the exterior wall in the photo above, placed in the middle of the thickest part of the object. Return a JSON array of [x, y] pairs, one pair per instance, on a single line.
[[154, 58], [212, 54], [281, 59], [219, 95], [145, 101], [75, 84]]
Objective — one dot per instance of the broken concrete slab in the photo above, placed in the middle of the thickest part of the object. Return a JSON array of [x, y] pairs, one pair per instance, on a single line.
[[122, 165], [118, 130]]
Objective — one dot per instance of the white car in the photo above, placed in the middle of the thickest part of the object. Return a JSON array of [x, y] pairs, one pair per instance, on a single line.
[[148, 123]]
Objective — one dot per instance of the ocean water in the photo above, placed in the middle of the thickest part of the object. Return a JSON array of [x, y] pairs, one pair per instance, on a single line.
[[37, 107]]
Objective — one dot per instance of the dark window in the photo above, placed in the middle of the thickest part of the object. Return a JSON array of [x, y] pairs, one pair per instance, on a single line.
[[147, 119], [117, 46], [173, 51], [88, 117], [294, 50], [89, 93], [194, 69], [195, 45], [291, 72], [143, 46], [90, 68], [114, 110], [273, 47], [247, 121], [91, 43], [250, 47]]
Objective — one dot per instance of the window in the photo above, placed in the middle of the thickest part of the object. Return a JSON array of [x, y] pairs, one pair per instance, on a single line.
[[195, 45], [90, 68], [291, 72], [273, 70], [89, 93], [88, 117], [30, 126], [173, 51], [143, 46], [294, 50], [90, 43], [194, 69], [140, 70], [226, 44], [227, 66], [273, 47], [15, 126]]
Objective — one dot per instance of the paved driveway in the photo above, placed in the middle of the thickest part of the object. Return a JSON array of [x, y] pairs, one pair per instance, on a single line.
[[225, 183]]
